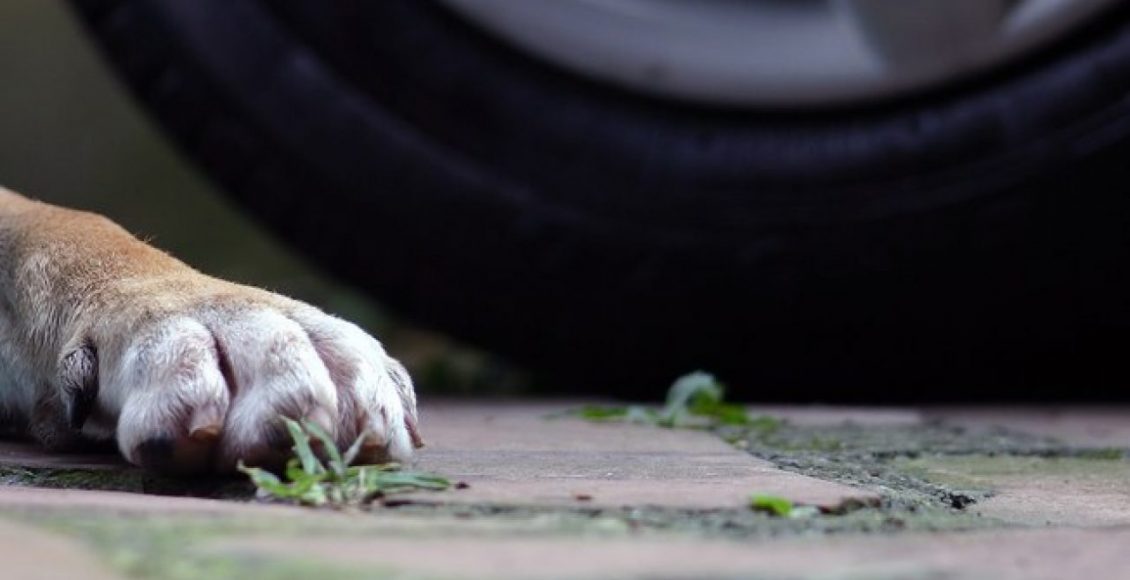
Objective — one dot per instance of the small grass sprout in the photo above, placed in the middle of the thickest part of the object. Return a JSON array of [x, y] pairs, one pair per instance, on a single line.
[[335, 481], [694, 400], [781, 507]]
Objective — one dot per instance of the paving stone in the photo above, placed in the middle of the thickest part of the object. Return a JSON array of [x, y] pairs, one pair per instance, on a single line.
[[1077, 511], [516, 455], [1084, 426], [1035, 554], [28, 553], [1041, 491]]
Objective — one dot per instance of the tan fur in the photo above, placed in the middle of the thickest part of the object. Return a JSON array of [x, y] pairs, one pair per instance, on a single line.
[[191, 372]]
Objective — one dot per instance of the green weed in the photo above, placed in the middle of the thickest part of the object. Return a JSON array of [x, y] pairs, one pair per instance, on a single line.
[[694, 400], [771, 504], [334, 482], [781, 507]]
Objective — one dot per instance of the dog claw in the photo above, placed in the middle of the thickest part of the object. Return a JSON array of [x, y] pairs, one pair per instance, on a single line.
[[206, 424], [414, 433], [205, 434], [372, 443]]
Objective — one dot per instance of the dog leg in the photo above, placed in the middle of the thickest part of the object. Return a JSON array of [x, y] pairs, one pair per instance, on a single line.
[[103, 336]]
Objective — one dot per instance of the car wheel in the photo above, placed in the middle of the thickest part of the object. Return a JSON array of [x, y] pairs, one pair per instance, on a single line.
[[953, 235]]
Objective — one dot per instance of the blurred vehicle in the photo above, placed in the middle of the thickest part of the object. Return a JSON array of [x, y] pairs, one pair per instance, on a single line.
[[815, 199]]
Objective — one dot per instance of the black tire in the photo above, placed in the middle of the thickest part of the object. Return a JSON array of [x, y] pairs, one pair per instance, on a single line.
[[966, 243]]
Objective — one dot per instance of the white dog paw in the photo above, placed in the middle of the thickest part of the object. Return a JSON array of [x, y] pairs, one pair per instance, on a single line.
[[203, 384]]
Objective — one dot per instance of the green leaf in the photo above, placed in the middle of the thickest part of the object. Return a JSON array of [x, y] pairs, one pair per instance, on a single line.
[[724, 413], [300, 487], [377, 481], [598, 413], [641, 414], [771, 504], [335, 494], [695, 400], [314, 495], [302, 449], [694, 389], [309, 483], [354, 449], [261, 477], [294, 471], [337, 465], [422, 481]]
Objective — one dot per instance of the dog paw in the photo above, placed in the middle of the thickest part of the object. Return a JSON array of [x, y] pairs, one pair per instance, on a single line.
[[196, 383]]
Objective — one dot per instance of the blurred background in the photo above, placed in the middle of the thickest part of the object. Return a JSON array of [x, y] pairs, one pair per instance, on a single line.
[[70, 134], [848, 200]]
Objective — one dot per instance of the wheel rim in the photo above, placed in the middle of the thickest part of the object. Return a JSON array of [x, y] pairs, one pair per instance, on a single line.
[[732, 52]]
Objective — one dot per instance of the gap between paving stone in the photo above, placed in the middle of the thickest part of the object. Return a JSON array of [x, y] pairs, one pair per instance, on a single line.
[[515, 455]]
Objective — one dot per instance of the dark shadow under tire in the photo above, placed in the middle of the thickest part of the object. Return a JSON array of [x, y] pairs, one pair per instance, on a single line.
[[968, 243]]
